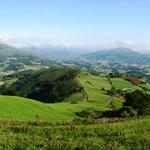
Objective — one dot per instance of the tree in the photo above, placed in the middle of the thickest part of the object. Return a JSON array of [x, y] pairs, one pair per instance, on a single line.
[[139, 101], [112, 93]]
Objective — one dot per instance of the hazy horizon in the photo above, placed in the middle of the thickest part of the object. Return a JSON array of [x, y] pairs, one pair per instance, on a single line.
[[86, 24]]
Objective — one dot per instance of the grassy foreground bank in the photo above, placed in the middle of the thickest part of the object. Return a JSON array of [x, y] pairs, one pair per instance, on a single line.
[[129, 134]]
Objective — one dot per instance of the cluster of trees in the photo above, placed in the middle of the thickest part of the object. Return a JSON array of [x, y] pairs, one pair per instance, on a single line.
[[137, 103], [46, 85]]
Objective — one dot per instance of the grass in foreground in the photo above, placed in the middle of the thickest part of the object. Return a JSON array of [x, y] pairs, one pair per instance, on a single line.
[[130, 134]]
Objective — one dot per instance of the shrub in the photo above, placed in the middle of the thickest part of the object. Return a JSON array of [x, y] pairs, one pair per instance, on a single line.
[[128, 111], [74, 102], [139, 101], [89, 113], [8, 91]]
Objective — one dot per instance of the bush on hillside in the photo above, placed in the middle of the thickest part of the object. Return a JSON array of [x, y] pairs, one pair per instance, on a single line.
[[5, 90], [89, 113], [136, 103], [139, 101]]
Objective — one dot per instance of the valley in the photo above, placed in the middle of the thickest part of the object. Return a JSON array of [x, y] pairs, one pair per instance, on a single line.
[[104, 101], [74, 75]]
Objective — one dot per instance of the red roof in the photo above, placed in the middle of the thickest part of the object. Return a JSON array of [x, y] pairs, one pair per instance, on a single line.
[[122, 98]]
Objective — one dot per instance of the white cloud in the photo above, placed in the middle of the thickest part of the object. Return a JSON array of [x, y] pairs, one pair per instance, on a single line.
[[89, 44], [5, 39]]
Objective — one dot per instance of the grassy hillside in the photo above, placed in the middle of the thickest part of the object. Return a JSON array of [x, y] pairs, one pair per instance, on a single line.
[[93, 86], [121, 84], [26, 109], [129, 134]]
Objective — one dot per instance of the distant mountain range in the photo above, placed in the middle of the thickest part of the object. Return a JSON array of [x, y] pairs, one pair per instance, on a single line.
[[33, 55], [14, 59], [120, 55], [9, 51], [55, 52]]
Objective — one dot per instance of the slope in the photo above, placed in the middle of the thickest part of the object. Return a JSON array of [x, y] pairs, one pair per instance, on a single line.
[[7, 51], [26, 109]]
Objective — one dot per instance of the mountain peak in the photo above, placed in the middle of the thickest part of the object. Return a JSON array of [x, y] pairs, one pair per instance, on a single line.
[[120, 55], [121, 49], [7, 51]]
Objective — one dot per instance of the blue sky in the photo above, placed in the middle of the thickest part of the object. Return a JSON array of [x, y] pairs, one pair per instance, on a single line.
[[87, 23]]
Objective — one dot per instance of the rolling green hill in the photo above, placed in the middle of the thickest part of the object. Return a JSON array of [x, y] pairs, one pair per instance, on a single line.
[[120, 55], [12, 107]]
